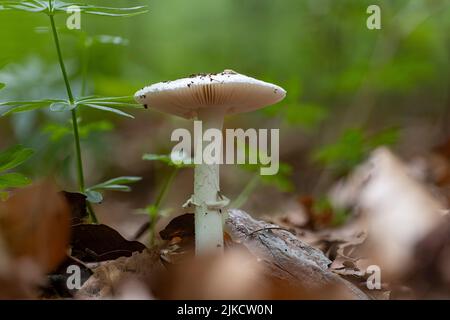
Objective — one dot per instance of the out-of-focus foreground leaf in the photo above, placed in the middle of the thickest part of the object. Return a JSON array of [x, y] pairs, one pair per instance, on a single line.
[[35, 224]]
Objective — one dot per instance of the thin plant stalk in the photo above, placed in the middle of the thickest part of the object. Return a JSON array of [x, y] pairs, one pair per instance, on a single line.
[[158, 202], [246, 192], [76, 135]]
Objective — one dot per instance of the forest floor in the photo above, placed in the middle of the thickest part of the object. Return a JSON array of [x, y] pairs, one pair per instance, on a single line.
[[395, 244]]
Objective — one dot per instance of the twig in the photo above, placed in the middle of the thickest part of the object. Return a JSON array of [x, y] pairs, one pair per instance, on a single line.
[[264, 229]]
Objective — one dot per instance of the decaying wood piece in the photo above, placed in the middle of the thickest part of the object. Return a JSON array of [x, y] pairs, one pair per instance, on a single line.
[[285, 256]]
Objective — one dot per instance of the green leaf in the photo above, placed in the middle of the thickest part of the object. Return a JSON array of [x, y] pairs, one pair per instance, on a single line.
[[116, 184], [281, 180], [386, 137], [351, 148], [97, 126], [108, 109], [62, 7], [56, 131], [345, 153], [181, 162], [101, 10], [323, 205], [123, 180], [102, 99], [29, 6], [13, 180], [152, 211], [113, 187], [157, 157], [14, 156], [307, 116], [2, 85], [119, 104], [62, 106], [124, 101], [22, 106], [93, 196]]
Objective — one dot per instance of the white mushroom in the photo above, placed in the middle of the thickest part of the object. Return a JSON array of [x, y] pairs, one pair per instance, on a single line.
[[209, 97]]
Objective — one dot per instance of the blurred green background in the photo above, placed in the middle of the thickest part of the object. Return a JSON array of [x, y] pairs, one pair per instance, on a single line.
[[347, 86]]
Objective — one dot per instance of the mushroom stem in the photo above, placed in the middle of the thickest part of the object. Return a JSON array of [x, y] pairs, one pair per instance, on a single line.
[[208, 218]]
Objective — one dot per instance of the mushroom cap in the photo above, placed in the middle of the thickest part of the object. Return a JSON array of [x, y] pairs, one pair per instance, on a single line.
[[228, 92]]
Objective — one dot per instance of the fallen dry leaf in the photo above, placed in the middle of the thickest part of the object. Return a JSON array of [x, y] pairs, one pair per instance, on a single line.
[[398, 210], [35, 224], [317, 219], [109, 276], [98, 242], [429, 272], [181, 226], [77, 204]]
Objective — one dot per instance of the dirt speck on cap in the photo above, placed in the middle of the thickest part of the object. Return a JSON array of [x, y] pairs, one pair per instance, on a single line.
[[203, 75]]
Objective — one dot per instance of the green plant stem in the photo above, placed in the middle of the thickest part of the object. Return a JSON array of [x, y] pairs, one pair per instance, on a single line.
[[60, 59], [73, 111], [92, 216], [248, 189], [157, 204], [78, 151], [84, 66]]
